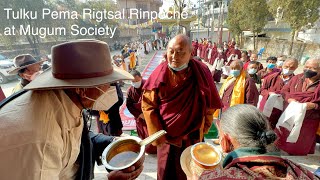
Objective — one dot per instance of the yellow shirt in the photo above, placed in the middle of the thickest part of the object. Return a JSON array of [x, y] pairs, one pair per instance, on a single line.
[[40, 136]]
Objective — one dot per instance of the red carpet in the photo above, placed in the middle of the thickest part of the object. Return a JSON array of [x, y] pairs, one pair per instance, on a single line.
[[126, 117]]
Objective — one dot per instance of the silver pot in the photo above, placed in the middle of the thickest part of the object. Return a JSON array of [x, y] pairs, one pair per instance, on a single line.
[[123, 153]]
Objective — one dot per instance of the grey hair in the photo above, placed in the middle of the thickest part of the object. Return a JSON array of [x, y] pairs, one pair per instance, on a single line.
[[248, 126], [317, 59], [238, 61], [295, 60]]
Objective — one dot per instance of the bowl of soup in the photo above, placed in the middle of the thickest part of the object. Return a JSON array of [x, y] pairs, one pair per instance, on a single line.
[[204, 156], [123, 153]]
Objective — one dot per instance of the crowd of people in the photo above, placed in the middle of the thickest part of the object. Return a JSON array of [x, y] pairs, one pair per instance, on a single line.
[[46, 134]]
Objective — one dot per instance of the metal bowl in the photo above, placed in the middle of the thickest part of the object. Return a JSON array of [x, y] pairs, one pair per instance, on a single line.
[[120, 147]]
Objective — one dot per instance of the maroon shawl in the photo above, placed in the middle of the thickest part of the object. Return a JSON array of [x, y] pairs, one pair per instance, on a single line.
[[183, 107]]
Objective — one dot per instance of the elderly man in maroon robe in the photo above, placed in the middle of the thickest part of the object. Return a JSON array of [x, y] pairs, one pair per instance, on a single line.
[[274, 83], [303, 88], [133, 103], [238, 88], [179, 97]]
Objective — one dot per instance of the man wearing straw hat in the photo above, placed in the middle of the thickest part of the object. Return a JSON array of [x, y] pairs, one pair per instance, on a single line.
[[27, 68], [43, 134]]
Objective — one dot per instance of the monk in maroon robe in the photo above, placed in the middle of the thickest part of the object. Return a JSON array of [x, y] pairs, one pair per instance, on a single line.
[[133, 103], [303, 88], [219, 60], [254, 57], [274, 83], [204, 50], [179, 97], [236, 52], [270, 69], [195, 46], [208, 51], [251, 93]]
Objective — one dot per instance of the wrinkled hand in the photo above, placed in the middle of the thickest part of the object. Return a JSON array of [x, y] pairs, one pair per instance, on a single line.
[[126, 174], [310, 105], [291, 100]]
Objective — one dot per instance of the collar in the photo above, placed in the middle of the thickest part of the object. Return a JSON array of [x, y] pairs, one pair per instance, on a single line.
[[246, 151]]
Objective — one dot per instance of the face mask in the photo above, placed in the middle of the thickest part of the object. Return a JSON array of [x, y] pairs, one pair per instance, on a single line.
[[309, 74], [271, 66], [184, 66], [235, 73], [136, 85], [287, 72], [106, 100], [279, 63], [236, 48], [220, 51], [252, 71], [225, 48]]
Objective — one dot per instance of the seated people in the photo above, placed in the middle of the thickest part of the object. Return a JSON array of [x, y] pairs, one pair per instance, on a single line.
[[274, 83], [252, 71], [238, 88], [303, 88], [245, 136], [270, 69]]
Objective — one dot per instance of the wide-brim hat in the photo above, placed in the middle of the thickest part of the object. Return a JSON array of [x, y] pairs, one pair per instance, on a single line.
[[23, 61], [185, 160], [79, 64]]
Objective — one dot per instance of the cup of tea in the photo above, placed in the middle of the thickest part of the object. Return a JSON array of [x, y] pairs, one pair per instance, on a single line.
[[204, 156]]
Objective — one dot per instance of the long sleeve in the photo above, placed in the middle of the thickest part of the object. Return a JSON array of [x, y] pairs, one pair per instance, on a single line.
[[131, 104], [252, 93], [150, 111], [264, 91]]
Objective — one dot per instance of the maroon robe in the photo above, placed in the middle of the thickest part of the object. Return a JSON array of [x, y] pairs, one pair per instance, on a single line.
[[235, 52], [207, 52], [297, 89], [2, 96], [195, 48], [217, 73], [251, 94], [133, 104], [263, 73], [181, 110], [203, 51], [273, 83]]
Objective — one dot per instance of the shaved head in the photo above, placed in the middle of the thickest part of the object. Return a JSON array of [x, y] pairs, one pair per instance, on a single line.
[[314, 62], [181, 38], [179, 51], [291, 64], [236, 64]]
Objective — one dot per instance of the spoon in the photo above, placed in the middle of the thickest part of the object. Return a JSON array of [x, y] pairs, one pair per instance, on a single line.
[[152, 138]]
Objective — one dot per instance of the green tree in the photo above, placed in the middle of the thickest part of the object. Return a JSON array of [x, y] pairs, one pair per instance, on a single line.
[[297, 13], [248, 15], [233, 20]]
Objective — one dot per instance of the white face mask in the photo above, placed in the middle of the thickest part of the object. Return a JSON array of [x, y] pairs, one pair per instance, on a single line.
[[136, 85], [287, 72], [279, 63], [106, 100]]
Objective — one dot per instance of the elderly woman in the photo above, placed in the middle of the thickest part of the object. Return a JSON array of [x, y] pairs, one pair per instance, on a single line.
[[244, 135]]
